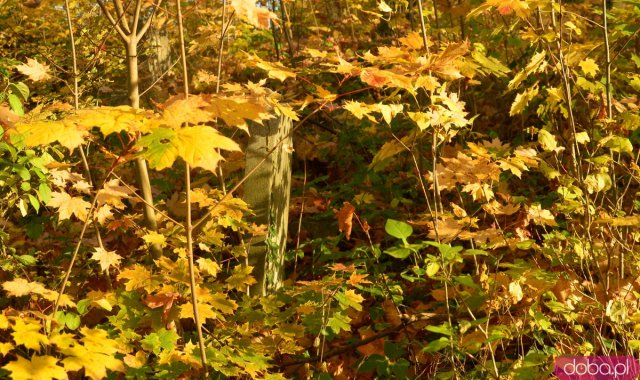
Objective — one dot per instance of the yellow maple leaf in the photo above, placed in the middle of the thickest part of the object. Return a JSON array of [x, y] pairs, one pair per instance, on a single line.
[[42, 133], [197, 146], [241, 278], [103, 214], [205, 311], [4, 322], [21, 287], [97, 340], [95, 355], [6, 348], [112, 194], [190, 110], [222, 303], [589, 67], [208, 266], [359, 110], [540, 216], [62, 340], [139, 277], [68, 205], [26, 331], [235, 112], [115, 119], [35, 70], [106, 258], [39, 367], [275, 70], [137, 361], [153, 237], [422, 119]]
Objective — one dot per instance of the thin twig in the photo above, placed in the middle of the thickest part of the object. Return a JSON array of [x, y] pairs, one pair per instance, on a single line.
[[188, 223]]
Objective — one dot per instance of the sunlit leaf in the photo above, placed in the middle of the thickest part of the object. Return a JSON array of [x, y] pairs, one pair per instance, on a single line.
[[68, 206], [35, 70], [39, 367], [106, 258]]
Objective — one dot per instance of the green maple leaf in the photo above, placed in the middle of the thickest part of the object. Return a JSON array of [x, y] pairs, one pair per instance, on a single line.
[[162, 340], [161, 152], [339, 322]]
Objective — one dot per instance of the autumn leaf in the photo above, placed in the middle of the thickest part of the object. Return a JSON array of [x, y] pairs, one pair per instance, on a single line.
[[68, 205], [35, 70], [113, 194], [414, 41], [257, 16], [106, 258], [541, 216], [345, 219], [137, 277], [275, 70], [235, 113], [26, 331], [196, 145], [515, 291], [179, 111], [164, 300], [205, 311], [21, 287], [43, 133], [370, 77], [548, 141], [114, 119], [153, 237], [357, 279], [589, 67], [6, 348], [384, 7], [522, 100], [8, 118], [359, 110], [208, 266], [241, 278], [39, 367], [96, 354], [350, 299]]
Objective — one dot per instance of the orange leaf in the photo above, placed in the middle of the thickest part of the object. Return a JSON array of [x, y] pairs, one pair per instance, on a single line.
[[369, 77], [356, 279], [345, 219]]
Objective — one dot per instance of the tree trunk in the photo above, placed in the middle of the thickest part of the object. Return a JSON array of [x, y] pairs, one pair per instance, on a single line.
[[141, 164], [158, 61], [267, 192]]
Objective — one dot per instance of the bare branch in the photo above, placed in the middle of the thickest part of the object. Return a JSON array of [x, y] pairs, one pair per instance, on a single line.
[[136, 18], [121, 16], [147, 24], [113, 22]]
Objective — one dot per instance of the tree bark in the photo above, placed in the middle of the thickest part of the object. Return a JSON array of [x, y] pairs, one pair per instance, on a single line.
[[141, 164], [267, 192]]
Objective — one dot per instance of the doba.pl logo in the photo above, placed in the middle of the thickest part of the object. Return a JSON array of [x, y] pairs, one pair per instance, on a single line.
[[597, 368]]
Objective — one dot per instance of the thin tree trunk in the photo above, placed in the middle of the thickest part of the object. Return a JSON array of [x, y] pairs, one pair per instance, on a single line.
[[141, 164]]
